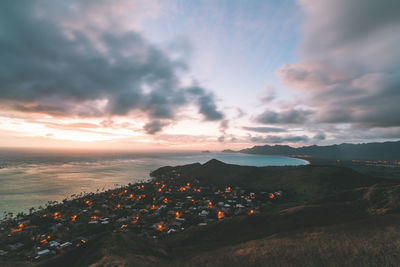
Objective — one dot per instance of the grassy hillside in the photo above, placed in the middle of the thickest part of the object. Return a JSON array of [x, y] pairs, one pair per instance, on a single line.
[[341, 231], [299, 183], [377, 151], [329, 216]]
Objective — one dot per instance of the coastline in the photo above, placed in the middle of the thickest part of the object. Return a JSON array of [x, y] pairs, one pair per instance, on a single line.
[[163, 206], [65, 176], [190, 208]]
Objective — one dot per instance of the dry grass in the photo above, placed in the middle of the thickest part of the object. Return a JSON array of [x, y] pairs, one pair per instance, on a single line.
[[378, 246]]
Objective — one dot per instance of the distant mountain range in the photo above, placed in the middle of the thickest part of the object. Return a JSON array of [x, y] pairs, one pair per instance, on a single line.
[[368, 151]]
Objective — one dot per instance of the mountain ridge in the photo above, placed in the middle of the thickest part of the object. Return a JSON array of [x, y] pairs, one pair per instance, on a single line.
[[344, 151]]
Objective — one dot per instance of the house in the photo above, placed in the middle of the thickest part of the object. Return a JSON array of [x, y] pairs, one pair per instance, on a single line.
[[53, 244], [16, 246], [203, 213], [65, 245], [43, 252]]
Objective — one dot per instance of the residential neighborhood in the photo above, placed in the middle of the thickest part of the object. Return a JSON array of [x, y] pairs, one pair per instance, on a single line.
[[153, 210]]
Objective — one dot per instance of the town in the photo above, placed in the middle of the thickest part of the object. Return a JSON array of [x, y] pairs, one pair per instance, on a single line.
[[154, 209]]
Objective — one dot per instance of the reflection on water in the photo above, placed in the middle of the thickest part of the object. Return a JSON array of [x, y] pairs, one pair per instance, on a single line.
[[30, 179]]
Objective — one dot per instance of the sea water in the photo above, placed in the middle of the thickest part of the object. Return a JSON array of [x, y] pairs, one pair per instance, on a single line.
[[32, 178]]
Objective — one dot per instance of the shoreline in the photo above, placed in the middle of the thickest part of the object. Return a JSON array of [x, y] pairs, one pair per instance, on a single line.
[[163, 206], [65, 179]]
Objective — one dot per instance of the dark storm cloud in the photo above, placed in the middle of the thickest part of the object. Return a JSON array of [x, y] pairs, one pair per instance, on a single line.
[[154, 127], [274, 139], [344, 22], [51, 69], [319, 137], [265, 129], [206, 103], [350, 62], [292, 116]]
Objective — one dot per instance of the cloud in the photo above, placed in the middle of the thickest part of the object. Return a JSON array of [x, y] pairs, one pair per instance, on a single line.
[[291, 116], [223, 126], [240, 113], [349, 62], [87, 66], [319, 137], [274, 139], [205, 101], [269, 95], [154, 127], [265, 129]]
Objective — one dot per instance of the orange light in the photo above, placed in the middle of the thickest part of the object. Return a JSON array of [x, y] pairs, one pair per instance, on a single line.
[[93, 218], [73, 218], [56, 215], [88, 202], [220, 215], [160, 227], [43, 241], [159, 190], [210, 205], [177, 214], [20, 225], [136, 219], [131, 196], [271, 195], [13, 230], [125, 191], [162, 186], [187, 184], [251, 212], [118, 206], [124, 226], [153, 207], [182, 189], [165, 200], [228, 189]]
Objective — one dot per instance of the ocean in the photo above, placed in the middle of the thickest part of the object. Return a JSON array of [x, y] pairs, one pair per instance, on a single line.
[[31, 178]]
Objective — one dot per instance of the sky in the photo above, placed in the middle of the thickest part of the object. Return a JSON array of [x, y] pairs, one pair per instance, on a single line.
[[189, 75]]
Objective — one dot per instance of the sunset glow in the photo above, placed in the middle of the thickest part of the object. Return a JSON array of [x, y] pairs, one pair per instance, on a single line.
[[170, 75]]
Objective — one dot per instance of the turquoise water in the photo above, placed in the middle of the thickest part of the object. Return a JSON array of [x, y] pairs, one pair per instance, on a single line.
[[30, 179]]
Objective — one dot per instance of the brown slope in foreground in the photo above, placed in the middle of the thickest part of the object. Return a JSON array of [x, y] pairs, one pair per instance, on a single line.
[[330, 233], [354, 223]]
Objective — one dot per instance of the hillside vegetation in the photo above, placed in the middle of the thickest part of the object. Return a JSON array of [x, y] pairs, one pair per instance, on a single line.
[[332, 232], [370, 151], [298, 183], [327, 216]]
